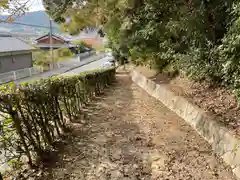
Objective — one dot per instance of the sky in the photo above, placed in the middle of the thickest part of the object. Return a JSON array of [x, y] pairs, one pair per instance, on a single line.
[[33, 5], [36, 5]]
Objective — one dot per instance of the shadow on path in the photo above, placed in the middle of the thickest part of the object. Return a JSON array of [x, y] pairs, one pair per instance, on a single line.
[[103, 145], [128, 135]]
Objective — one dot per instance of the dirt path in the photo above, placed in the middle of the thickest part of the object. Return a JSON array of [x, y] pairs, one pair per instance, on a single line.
[[129, 135]]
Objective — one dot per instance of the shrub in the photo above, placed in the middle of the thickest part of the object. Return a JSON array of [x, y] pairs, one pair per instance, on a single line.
[[82, 46], [64, 52], [42, 58], [34, 112]]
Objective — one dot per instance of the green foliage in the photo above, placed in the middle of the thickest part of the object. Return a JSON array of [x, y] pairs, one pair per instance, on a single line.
[[200, 37], [63, 52], [34, 114], [183, 34], [82, 46], [43, 58]]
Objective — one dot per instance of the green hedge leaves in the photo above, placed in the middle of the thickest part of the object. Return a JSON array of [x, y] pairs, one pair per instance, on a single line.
[[33, 115]]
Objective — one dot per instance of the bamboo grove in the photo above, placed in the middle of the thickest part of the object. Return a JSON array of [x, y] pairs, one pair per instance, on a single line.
[[33, 115]]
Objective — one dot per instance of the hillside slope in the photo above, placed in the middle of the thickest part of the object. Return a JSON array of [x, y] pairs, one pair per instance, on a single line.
[[39, 18]]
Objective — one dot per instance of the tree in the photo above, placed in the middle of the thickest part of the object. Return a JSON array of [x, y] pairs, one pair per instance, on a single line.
[[182, 33], [15, 8]]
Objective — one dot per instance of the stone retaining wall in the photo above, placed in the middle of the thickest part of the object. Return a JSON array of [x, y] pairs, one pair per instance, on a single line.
[[225, 144]]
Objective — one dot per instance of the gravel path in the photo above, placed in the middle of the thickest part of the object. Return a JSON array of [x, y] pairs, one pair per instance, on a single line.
[[128, 135]]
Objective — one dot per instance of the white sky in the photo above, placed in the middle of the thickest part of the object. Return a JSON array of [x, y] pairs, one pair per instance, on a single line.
[[36, 5], [33, 5]]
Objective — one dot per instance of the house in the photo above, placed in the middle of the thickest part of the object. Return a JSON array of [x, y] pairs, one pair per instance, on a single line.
[[92, 38], [43, 42], [93, 41], [14, 54]]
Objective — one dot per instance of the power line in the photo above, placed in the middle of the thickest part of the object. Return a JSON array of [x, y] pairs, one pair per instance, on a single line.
[[21, 34], [31, 25], [24, 24]]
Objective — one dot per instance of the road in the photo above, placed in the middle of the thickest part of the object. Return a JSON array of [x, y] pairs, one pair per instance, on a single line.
[[68, 66], [91, 66]]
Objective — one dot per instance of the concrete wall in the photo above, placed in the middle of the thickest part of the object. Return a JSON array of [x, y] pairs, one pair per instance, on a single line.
[[224, 143], [15, 62]]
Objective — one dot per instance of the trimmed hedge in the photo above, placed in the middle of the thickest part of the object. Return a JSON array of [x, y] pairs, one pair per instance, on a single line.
[[34, 113]]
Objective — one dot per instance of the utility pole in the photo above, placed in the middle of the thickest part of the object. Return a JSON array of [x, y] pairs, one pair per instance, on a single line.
[[51, 44]]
